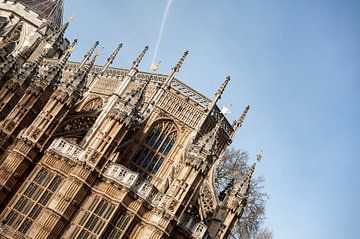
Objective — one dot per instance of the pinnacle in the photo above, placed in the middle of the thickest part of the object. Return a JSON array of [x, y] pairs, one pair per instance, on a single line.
[[181, 61], [238, 123], [140, 57]]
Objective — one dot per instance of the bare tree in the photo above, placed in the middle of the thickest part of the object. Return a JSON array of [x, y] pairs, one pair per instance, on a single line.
[[231, 169], [264, 234]]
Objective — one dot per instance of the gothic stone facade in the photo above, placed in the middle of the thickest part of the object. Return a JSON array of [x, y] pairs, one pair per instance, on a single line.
[[91, 151]]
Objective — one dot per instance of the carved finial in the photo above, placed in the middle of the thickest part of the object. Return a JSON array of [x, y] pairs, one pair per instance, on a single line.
[[181, 61], [70, 18], [88, 54], [242, 187], [80, 77], [238, 123], [175, 69], [114, 54], [218, 94], [30, 69], [140, 57], [92, 49], [106, 66], [154, 67], [259, 156], [223, 86], [63, 28], [68, 52]]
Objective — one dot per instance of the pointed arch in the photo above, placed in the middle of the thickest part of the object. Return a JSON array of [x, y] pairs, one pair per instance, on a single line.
[[14, 40], [156, 146], [93, 104]]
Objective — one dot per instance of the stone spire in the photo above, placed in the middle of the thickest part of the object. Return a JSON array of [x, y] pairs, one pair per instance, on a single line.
[[226, 190], [181, 61], [55, 70], [88, 54], [129, 108], [44, 43], [79, 80], [211, 107], [134, 100], [210, 141], [166, 84], [219, 94], [110, 60], [56, 35], [114, 103], [238, 123], [131, 73], [232, 206], [138, 99], [31, 69], [76, 85], [140, 57], [242, 188], [176, 69], [68, 51]]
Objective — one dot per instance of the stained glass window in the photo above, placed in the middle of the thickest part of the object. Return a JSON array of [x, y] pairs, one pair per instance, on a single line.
[[157, 144]]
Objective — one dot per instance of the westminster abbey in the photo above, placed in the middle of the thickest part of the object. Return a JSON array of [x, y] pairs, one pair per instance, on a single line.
[[89, 151]]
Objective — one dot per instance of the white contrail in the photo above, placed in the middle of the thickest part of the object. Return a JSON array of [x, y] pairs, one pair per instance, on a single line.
[[161, 30]]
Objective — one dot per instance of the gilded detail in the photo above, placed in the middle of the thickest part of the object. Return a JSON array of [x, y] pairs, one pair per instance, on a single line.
[[91, 151]]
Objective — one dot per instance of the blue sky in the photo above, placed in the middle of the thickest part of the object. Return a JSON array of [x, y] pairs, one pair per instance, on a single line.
[[295, 62]]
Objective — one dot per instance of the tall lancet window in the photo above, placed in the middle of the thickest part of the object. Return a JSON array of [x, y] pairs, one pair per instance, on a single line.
[[157, 144]]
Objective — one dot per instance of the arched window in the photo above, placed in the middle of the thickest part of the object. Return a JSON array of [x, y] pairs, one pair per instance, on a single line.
[[156, 146], [13, 40], [93, 104], [3, 23]]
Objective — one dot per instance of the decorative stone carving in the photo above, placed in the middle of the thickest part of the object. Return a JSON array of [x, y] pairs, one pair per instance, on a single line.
[[192, 226], [75, 125], [132, 181], [66, 149], [180, 109], [12, 85], [93, 104], [208, 199]]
